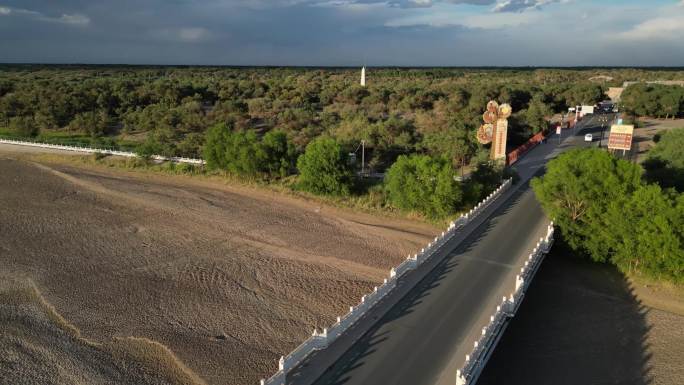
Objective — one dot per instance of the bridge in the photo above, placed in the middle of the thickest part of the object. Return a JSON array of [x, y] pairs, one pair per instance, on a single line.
[[439, 322]]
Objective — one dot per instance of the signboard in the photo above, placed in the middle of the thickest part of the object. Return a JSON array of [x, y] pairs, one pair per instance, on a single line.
[[587, 110], [500, 143], [558, 130], [621, 137]]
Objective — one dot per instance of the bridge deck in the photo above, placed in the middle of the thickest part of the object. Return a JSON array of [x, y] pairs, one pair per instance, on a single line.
[[428, 329]]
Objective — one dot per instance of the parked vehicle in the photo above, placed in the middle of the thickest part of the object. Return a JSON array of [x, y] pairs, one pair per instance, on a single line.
[[588, 138]]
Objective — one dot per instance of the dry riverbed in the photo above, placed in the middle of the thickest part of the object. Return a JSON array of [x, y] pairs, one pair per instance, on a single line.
[[226, 279]]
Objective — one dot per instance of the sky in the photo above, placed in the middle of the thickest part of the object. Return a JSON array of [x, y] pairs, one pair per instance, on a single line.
[[345, 32]]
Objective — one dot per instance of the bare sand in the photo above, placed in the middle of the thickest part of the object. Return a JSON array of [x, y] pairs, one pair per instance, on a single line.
[[227, 278], [178, 280], [38, 346]]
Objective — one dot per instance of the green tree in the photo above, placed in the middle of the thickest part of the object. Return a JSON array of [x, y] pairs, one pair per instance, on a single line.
[[215, 146], [92, 123], [324, 168], [577, 190], [149, 147], [424, 184], [24, 125], [278, 153], [665, 163], [536, 115], [648, 234]]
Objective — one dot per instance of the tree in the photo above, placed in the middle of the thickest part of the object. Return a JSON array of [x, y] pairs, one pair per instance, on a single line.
[[278, 153], [149, 147], [576, 192], [215, 144], [425, 184], [665, 163], [324, 169], [92, 123], [243, 153], [24, 126], [649, 234], [583, 94], [536, 115]]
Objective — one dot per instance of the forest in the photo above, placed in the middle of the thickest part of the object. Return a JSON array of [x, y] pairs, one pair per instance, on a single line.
[[270, 123]]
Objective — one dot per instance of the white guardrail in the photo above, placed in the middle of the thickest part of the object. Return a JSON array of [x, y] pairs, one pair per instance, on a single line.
[[321, 340], [491, 333], [91, 150]]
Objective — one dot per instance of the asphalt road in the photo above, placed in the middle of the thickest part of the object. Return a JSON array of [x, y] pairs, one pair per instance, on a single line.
[[424, 336], [423, 340]]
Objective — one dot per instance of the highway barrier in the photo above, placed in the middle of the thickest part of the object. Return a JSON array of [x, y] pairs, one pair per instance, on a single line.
[[321, 340], [491, 333], [91, 150]]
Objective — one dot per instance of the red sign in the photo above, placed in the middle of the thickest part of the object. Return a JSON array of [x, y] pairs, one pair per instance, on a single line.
[[619, 141], [620, 137]]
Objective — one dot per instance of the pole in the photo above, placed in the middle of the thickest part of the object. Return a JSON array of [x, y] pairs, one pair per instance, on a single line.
[[363, 156]]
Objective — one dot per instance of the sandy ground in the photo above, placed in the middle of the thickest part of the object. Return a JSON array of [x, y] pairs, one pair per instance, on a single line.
[[585, 323], [227, 278], [37, 346]]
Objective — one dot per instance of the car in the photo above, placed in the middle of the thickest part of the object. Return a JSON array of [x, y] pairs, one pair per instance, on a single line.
[[588, 138]]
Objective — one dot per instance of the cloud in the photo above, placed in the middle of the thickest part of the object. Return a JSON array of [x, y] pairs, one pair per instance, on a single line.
[[73, 19], [193, 34], [183, 34], [521, 5], [341, 32], [76, 19], [491, 21], [660, 28]]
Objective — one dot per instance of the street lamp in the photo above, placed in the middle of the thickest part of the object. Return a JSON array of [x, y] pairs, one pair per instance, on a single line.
[[603, 121]]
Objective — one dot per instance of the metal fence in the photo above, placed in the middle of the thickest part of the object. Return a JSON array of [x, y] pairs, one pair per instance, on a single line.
[[93, 150]]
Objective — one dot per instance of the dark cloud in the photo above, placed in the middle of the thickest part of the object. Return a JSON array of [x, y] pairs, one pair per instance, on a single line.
[[312, 32]]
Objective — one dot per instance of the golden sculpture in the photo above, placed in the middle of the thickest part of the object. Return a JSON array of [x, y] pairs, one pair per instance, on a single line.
[[495, 129]]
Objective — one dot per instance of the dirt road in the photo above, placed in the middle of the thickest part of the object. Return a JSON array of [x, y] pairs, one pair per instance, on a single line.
[[227, 278]]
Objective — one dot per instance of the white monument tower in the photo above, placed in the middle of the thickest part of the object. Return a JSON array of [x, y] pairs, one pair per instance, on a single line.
[[363, 76]]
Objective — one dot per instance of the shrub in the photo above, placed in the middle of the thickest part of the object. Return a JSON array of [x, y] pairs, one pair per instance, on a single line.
[[243, 153], [24, 126], [424, 184], [324, 168]]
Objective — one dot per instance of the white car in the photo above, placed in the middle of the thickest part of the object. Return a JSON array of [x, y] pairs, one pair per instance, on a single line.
[[588, 138]]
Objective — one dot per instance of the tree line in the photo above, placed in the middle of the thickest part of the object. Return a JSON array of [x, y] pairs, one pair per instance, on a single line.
[[654, 100], [402, 111], [418, 125]]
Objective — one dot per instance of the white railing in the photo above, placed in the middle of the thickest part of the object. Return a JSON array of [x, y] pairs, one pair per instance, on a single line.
[[91, 150], [321, 340], [483, 347]]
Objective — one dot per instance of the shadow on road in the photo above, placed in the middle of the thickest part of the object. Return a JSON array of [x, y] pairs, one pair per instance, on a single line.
[[580, 323]]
